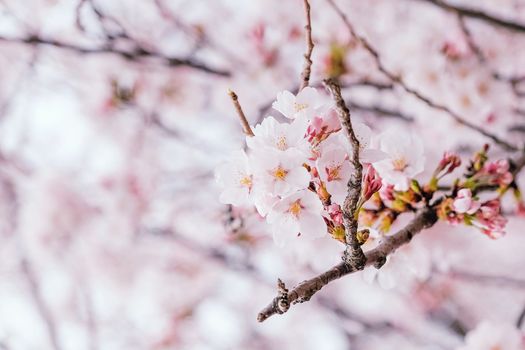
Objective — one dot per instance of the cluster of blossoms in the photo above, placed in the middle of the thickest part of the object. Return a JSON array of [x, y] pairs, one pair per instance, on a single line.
[[296, 173], [465, 207]]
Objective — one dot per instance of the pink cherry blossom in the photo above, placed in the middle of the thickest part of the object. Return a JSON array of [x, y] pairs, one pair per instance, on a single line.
[[307, 103], [405, 160], [335, 170], [297, 215], [464, 203], [494, 336], [280, 173], [279, 136]]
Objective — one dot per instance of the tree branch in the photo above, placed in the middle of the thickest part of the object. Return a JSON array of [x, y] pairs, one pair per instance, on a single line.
[[375, 257], [136, 54], [400, 82], [480, 15], [353, 255], [305, 76]]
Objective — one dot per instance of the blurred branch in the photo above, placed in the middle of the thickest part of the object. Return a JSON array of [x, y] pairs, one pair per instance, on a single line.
[[499, 281], [375, 257], [397, 79], [480, 15], [42, 307], [470, 39], [305, 76], [353, 255], [380, 111], [521, 318], [132, 55]]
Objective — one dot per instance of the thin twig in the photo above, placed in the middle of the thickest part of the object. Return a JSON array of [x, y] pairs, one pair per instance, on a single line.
[[244, 122], [470, 39], [375, 257], [305, 76], [400, 82], [353, 253], [133, 55]]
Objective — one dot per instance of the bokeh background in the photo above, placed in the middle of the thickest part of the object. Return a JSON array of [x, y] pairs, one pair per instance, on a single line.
[[113, 115]]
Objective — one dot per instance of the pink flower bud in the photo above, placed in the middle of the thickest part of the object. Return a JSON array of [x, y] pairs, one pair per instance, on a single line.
[[448, 163], [372, 183], [336, 214]]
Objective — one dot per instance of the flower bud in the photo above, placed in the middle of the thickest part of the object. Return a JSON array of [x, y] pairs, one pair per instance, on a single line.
[[448, 163], [371, 184], [362, 236]]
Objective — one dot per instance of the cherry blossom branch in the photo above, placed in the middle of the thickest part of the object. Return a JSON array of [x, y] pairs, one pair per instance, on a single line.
[[353, 255], [242, 117], [397, 79], [477, 14], [136, 54], [375, 257], [305, 76]]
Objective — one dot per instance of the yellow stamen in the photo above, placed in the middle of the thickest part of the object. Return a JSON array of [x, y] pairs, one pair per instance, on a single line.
[[295, 208], [281, 143], [299, 106], [333, 173], [399, 164], [279, 173], [246, 181]]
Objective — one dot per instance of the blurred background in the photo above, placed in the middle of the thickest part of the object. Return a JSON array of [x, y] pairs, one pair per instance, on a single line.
[[113, 115]]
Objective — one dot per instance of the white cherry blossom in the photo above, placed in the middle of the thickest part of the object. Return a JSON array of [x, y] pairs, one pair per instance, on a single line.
[[335, 170], [464, 203], [306, 103], [405, 158], [280, 136], [297, 215], [369, 152], [280, 172], [236, 179]]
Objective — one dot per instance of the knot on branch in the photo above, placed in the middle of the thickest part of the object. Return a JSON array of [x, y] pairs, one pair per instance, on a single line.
[[279, 305], [282, 297], [355, 258]]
